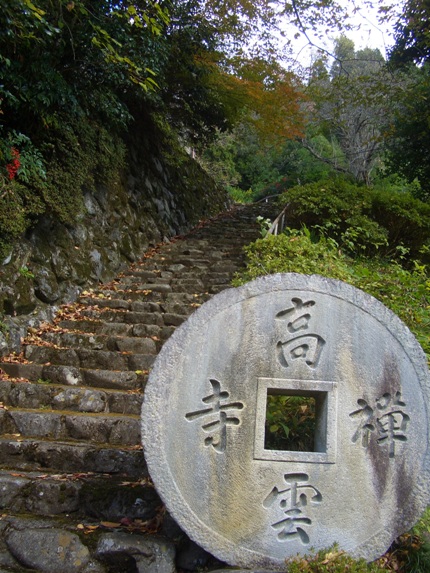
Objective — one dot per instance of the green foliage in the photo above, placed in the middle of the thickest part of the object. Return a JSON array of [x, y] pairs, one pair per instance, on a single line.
[[218, 160], [409, 145], [79, 154], [265, 225], [24, 271], [362, 221], [54, 53], [290, 423], [412, 42], [293, 252], [423, 526], [240, 196]]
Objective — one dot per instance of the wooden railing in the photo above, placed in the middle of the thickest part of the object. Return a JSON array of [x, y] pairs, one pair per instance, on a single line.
[[279, 223]]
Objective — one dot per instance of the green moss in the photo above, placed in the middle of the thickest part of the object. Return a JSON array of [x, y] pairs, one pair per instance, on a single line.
[[331, 561]]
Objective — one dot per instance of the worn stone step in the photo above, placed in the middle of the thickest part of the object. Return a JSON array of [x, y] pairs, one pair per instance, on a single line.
[[90, 359], [130, 330], [186, 298], [106, 301], [65, 456], [31, 395], [125, 317], [71, 376], [102, 342], [99, 428], [150, 277], [30, 371], [115, 380], [133, 304], [96, 327], [158, 287], [98, 496], [191, 285], [48, 544], [160, 333]]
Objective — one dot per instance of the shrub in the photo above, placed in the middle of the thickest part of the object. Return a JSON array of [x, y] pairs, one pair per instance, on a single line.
[[362, 221]]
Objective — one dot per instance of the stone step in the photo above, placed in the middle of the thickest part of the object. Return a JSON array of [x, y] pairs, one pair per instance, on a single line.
[[115, 380], [96, 327], [89, 359], [109, 315], [111, 299], [150, 277], [103, 428], [98, 496], [49, 544], [31, 395], [36, 454], [146, 318], [130, 330], [146, 287], [71, 376], [101, 342]]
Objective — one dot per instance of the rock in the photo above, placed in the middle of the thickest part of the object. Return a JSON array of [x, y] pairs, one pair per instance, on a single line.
[[192, 557], [49, 550], [68, 375], [119, 551], [113, 502], [3, 345], [46, 286]]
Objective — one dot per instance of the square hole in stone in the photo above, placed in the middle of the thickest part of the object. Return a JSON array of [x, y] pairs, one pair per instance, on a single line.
[[296, 421]]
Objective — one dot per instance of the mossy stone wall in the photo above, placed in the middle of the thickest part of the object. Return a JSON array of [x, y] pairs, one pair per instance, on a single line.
[[162, 192]]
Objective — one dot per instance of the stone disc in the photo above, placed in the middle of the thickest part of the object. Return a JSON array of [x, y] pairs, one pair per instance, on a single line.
[[358, 475]]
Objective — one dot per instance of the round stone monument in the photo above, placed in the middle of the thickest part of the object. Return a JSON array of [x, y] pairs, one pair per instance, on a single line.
[[360, 475]]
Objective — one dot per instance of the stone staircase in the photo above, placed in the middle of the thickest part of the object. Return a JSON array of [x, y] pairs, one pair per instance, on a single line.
[[75, 494]]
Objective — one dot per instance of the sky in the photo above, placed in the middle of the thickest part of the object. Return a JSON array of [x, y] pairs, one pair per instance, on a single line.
[[369, 33]]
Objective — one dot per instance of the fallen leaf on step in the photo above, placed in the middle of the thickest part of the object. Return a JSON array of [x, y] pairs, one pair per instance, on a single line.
[[110, 524]]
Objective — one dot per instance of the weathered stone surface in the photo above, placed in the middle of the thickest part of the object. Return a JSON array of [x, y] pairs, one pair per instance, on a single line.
[[111, 379], [65, 457], [365, 479], [11, 488], [122, 550], [50, 497], [82, 400], [136, 345], [111, 501], [49, 551], [68, 375]]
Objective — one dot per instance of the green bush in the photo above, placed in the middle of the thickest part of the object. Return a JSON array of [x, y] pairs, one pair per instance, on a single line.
[[362, 221], [406, 219], [294, 252], [240, 196]]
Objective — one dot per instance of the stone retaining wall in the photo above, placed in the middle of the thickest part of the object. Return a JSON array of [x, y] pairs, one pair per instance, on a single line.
[[162, 193]]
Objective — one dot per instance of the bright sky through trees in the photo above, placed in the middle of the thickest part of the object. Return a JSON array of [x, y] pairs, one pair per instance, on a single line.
[[365, 31]]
